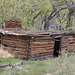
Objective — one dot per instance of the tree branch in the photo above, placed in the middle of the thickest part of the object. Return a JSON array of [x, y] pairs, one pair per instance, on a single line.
[[37, 15], [50, 16]]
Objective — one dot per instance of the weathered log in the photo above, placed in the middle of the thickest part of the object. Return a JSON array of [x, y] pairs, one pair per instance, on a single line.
[[20, 63], [3, 66]]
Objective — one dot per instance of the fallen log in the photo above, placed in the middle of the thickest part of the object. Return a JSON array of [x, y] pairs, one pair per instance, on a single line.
[[20, 63], [3, 66]]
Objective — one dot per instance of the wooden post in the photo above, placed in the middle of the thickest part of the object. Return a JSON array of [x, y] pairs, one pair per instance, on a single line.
[[28, 44], [1, 39]]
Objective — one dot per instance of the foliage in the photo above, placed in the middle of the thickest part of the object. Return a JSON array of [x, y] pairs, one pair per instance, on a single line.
[[33, 13], [23, 9]]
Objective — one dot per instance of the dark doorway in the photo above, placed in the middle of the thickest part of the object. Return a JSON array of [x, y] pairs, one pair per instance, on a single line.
[[0, 39], [57, 47]]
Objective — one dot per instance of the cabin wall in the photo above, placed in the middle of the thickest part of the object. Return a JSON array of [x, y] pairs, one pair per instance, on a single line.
[[42, 47], [68, 43], [16, 45], [35, 48]]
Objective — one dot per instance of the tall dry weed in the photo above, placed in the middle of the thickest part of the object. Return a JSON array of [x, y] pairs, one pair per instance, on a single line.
[[5, 53]]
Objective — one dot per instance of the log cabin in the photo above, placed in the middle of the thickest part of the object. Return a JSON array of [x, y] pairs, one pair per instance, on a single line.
[[26, 44]]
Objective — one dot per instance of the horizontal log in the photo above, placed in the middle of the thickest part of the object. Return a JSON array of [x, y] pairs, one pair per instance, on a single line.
[[52, 41], [32, 45], [70, 36], [71, 41], [16, 37], [24, 42], [35, 49], [41, 42], [64, 48], [42, 38], [17, 49], [12, 43], [42, 46], [41, 52], [20, 52], [21, 56], [34, 56], [64, 45], [71, 44], [70, 47], [41, 57], [14, 46]]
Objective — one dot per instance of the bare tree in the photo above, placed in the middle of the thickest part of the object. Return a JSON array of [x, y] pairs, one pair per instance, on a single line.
[[71, 9], [55, 12]]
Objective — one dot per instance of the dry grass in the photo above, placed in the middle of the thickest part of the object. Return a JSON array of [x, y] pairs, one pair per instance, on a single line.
[[5, 53]]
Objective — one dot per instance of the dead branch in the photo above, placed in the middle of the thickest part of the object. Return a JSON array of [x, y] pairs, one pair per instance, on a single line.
[[20, 63], [3, 66]]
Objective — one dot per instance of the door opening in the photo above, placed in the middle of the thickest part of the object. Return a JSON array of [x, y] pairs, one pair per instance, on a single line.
[[57, 47], [0, 39]]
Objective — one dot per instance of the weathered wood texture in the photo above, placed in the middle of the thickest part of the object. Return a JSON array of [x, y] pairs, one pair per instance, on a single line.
[[68, 43], [13, 24], [16, 45], [41, 47]]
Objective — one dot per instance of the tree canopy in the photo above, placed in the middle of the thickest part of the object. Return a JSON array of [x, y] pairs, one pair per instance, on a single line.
[[40, 14]]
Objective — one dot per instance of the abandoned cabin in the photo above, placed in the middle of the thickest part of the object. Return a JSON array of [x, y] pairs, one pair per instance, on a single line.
[[26, 44]]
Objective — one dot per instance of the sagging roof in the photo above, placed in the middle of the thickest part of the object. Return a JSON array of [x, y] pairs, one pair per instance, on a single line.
[[27, 32]]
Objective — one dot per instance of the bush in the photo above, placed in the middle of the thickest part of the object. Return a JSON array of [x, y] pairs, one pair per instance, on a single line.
[[63, 65]]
